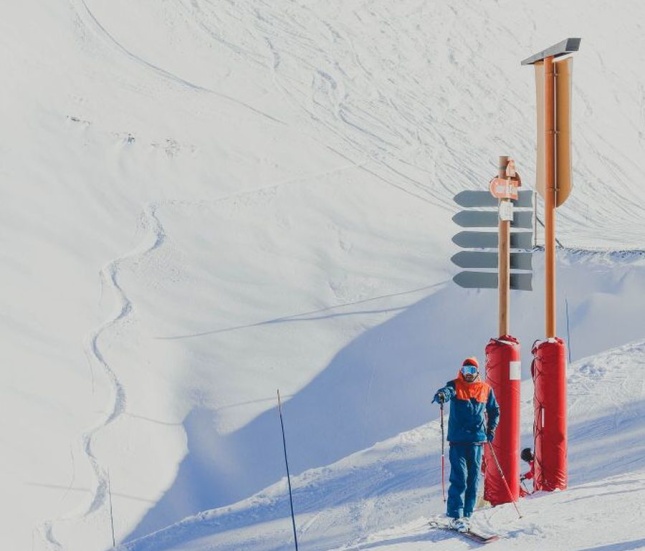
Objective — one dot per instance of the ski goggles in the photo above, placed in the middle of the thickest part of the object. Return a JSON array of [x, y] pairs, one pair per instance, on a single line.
[[468, 370]]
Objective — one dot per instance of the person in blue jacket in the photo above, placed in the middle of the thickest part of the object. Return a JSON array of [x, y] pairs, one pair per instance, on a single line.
[[474, 415]]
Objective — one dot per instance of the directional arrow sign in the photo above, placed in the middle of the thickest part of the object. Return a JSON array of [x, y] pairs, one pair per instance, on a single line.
[[481, 259], [489, 240], [488, 280], [481, 198], [490, 219]]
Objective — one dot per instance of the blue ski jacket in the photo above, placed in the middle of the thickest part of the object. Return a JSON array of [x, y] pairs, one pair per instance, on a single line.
[[474, 411]]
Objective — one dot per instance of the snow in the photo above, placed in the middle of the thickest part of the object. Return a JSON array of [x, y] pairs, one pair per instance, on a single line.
[[207, 201]]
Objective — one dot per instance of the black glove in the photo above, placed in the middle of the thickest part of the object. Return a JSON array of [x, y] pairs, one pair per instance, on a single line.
[[439, 397], [490, 436]]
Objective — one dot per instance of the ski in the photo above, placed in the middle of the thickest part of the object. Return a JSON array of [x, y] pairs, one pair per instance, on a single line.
[[473, 535]]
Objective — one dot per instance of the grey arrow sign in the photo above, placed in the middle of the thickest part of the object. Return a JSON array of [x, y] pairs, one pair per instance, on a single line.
[[481, 259], [481, 198], [488, 280], [489, 240], [490, 219]]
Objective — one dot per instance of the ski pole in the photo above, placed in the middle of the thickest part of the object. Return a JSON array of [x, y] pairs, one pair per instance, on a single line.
[[501, 472], [286, 461], [443, 458]]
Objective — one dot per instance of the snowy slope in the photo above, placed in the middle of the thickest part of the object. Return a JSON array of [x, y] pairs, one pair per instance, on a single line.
[[379, 498], [206, 201]]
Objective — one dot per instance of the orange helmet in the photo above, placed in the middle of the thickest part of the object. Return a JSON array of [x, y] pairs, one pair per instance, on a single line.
[[471, 361]]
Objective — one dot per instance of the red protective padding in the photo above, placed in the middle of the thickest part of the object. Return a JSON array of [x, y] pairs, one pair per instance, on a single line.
[[503, 374], [549, 371]]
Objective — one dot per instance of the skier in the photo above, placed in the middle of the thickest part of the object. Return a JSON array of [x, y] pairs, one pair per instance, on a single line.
[[526, 455], [474, 415]]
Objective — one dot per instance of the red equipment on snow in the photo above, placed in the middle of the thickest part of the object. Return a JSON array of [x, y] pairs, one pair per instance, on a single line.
[[503, 374], [550, 414]]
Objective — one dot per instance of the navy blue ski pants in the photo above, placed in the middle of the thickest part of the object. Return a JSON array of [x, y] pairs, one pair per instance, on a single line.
[[465, 471]]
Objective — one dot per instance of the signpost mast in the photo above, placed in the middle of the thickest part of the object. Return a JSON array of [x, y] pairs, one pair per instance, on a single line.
[[504, 251], [549, 195], [553, 182]]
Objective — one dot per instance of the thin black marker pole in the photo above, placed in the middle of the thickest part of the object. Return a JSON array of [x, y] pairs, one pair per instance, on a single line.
[[109, 485], [286, 462]]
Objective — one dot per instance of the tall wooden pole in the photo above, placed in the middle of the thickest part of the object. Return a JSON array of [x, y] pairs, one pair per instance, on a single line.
[[553, 181], [504, 270], [549, 196]]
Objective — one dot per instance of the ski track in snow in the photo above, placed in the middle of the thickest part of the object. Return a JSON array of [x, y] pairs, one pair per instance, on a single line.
[[353, 124], [101, 32], [117, 406], [331, 92], [109, 278]]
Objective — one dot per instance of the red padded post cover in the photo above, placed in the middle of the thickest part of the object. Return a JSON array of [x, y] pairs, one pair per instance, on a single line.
[[503, 374], [549, 371]]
